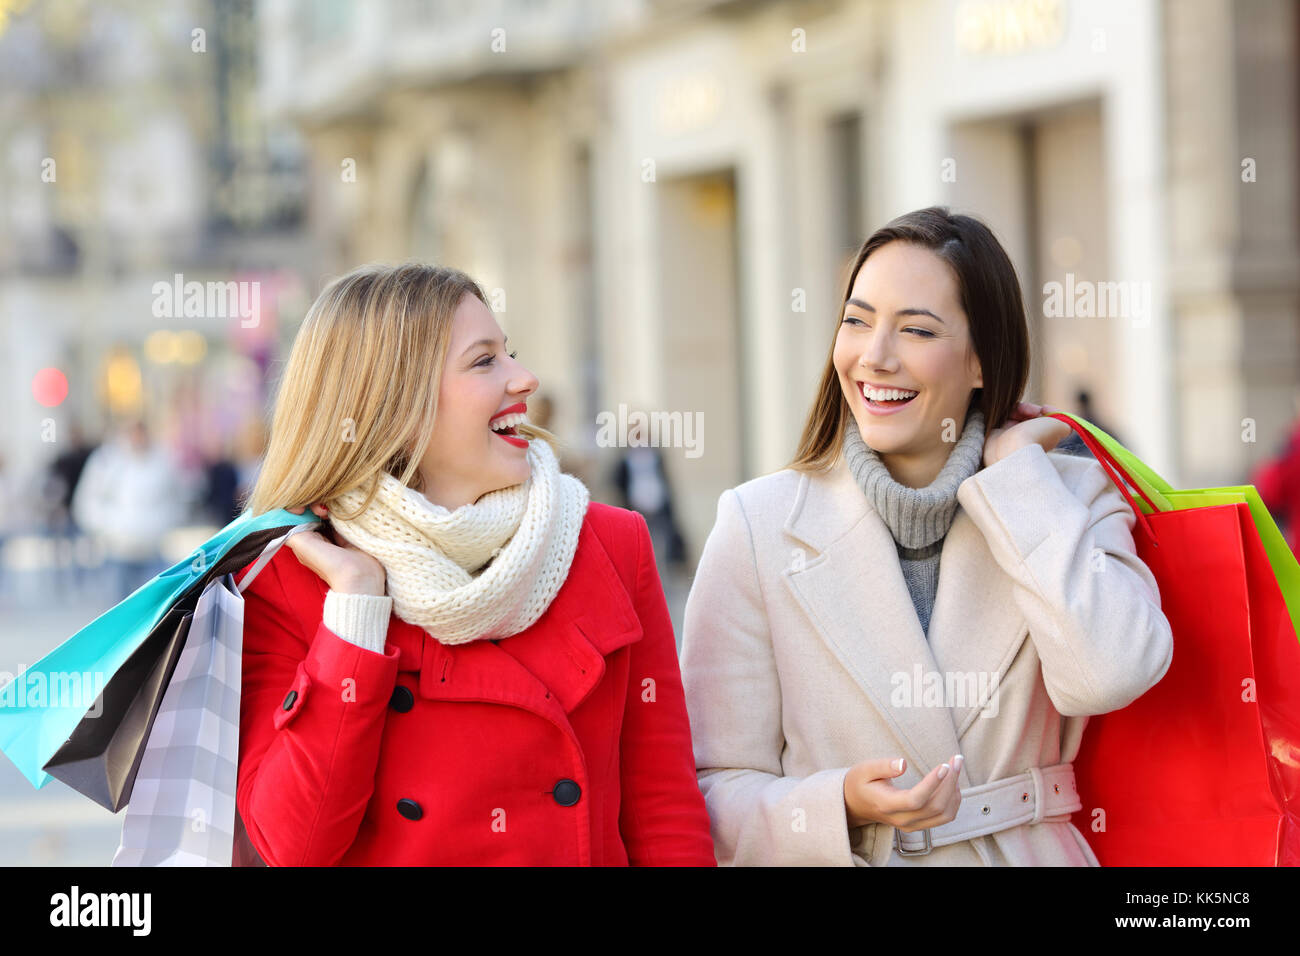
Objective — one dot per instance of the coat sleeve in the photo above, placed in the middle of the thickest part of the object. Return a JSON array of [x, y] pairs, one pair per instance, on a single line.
[[662, 817], [759, 816], [311, 719], [1092, 605]]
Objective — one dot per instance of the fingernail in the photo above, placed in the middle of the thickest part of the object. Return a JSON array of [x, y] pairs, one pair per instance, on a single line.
[[958, 760], [943, 771], [897, 765]]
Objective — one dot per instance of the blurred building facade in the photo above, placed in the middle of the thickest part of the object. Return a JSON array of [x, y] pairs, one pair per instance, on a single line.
[[134, 159], [660, 199], [666, 194]]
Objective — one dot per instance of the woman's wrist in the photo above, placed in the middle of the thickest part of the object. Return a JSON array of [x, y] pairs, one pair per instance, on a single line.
[[375, 587], [853, 819]]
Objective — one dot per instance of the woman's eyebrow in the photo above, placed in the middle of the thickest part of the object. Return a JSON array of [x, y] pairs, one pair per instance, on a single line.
[[870, 308], [475, 345]]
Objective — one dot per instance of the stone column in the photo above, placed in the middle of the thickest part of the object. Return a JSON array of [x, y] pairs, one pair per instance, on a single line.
[[1234, 270]]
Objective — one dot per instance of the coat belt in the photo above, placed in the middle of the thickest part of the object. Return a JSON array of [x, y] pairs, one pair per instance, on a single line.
[[999, 805]]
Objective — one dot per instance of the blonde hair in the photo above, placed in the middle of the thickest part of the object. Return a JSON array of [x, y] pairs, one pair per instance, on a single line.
[[359, 392]]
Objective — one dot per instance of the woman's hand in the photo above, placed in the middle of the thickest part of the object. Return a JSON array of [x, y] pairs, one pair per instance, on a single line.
[[1026, 428], [869, 797], [346, 569]]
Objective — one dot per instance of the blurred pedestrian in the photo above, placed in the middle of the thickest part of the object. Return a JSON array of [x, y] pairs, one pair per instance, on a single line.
[[1072, 443], [129, 496], [220, 485], [1277, 480], [643, 486], [59, 485]]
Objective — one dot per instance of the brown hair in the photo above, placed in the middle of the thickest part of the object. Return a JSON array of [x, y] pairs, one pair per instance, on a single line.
[[360, 389], [990, 296]]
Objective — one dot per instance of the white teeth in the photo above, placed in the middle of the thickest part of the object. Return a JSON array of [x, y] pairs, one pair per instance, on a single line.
[[509, 421], [884, 394]]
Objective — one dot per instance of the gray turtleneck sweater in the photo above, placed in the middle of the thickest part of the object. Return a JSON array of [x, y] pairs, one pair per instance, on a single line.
[[918, 518]]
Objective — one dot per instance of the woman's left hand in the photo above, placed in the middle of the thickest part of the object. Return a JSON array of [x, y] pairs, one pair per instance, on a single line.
[[1025, 427]]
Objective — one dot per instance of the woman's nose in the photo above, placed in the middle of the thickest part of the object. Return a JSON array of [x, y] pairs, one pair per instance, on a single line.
[[879, 352], [524, 381]]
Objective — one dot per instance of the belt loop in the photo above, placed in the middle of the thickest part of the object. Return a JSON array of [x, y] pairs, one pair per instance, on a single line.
[[1040, 797], [923, 850]]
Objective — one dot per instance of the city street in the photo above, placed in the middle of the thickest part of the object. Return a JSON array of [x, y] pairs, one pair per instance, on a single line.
[[53, 826]]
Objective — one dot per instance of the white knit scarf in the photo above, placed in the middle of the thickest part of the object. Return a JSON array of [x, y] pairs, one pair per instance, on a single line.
[[432, 556]]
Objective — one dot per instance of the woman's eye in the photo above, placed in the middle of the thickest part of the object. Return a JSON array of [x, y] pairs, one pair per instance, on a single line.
[[924, 333], [489, 359]]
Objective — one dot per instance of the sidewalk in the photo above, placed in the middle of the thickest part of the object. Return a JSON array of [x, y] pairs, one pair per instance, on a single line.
[[53, 826]]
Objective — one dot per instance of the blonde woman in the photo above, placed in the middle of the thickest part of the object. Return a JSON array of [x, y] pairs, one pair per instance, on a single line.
[[892, 647], [473, 664]]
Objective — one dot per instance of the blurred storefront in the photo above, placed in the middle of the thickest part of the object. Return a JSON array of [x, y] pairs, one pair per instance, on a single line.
[[153, 231], [663, 196]]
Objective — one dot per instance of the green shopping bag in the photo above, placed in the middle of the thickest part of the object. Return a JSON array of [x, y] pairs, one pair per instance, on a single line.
[[1167, 498]]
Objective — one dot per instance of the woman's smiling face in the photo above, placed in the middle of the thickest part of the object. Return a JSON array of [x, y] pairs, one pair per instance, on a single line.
[[903, 327], [465, 458]]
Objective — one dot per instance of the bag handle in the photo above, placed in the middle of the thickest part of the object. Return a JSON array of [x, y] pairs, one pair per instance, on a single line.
[[1115, 471], [269, 552], [1142, 474]]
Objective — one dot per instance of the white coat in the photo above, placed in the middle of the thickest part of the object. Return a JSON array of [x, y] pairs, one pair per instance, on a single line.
[[802, 654]]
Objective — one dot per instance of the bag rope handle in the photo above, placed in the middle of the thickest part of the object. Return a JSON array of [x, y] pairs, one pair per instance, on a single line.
[[269, 552], [1113, 470]]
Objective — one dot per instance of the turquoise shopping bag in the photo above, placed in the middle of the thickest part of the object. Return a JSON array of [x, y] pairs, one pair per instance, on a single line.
[[33, 724]]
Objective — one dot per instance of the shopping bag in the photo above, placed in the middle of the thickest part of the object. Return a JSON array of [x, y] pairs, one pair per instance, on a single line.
[[43, 707], [1204, 768], [1286, 569], [177, 812], [101, 757], [182, 808]]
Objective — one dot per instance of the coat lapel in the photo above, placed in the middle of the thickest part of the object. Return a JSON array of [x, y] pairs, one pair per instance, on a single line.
[[976, 627], [853, 593], [553, 666]]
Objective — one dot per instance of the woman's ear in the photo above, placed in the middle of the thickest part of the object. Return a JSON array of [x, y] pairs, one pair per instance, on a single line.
[[979, 372]]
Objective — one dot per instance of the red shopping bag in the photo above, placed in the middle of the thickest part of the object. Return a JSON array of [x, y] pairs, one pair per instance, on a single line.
[[1204, 768]]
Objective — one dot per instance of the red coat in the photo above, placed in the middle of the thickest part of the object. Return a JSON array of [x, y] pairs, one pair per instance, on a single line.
[[566, 744]]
